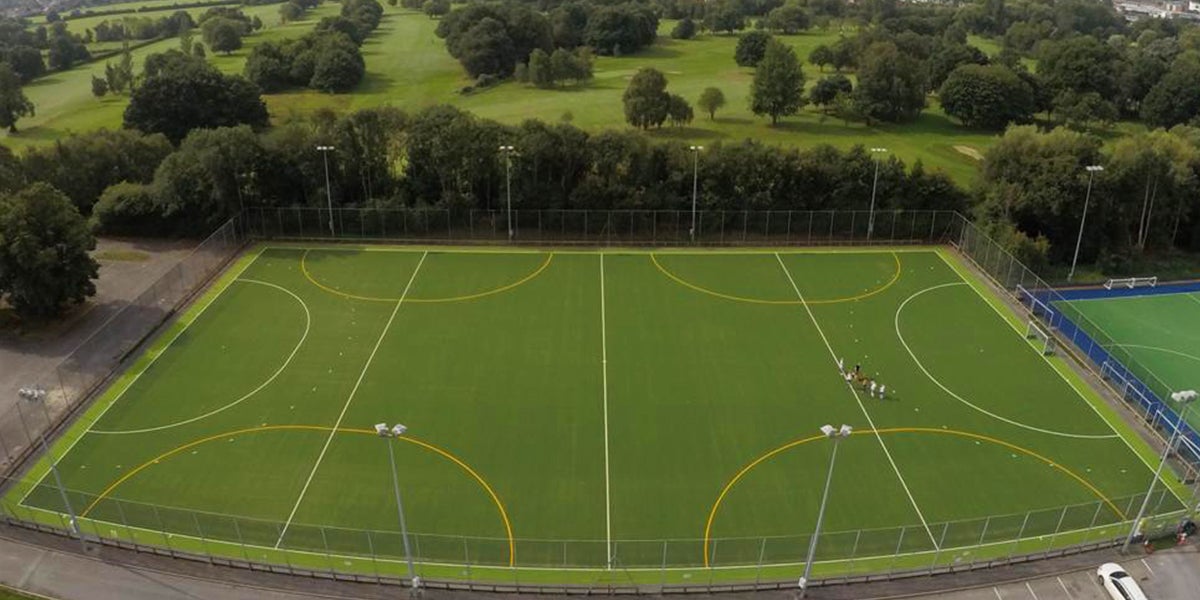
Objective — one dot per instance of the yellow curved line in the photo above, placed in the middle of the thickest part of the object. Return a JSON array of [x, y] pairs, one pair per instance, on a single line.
[[503, 288], [704, 290], [792, 444], [426, 445]]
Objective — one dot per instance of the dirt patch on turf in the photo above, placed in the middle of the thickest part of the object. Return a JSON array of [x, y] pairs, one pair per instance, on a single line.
[[969, 151]]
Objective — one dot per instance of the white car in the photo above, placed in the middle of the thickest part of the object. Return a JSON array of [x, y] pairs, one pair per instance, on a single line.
[[1118, 583]]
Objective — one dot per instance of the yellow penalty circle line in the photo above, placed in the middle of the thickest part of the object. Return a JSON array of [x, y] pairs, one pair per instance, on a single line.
[[717, 505], [444, 454], [503, 288], [704, 290]]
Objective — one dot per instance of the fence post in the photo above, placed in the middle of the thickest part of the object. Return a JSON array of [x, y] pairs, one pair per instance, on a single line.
[[983, 534], [163, 529], [762, 547], [1017, 542], [937, 551], [125, 522], [1058, 528], [854, 552], [203, 540], [663, 569], [328, 557], [896, 553], [1091, 526], [237, 530]]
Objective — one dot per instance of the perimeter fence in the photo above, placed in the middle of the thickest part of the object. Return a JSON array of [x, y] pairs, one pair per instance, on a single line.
[[1112, 363], [547, 565], [25, 427], [610, 227], [697, 564]]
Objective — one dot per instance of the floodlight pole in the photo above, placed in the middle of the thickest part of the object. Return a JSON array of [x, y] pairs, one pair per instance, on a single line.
[[695, 187], [508, 152], [328, 191], [874, 186], [1133, 529], [1092, 170], [37, 394], [836, 435], [390, 434]]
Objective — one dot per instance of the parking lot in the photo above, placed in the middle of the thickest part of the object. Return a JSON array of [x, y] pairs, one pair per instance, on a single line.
[[1163, 576]]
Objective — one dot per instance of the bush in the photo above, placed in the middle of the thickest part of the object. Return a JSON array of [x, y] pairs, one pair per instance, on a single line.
[[685, 29], [127, 209]]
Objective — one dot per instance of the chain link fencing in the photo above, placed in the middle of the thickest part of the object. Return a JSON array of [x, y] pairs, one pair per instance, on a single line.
[[532, 564]]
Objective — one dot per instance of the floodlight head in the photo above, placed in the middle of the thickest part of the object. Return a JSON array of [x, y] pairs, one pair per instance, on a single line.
[[828, 430], [845, 431], [382, 430], [1184, 396], [695, 148], [879, 149], [399, 430], [1094, 168]]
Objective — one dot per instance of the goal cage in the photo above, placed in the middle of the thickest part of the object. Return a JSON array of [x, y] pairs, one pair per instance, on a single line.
[[1131, 282], [1039, 337]]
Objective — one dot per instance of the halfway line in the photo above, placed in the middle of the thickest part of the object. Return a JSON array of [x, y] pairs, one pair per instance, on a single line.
[[346, 406], [604, 366], [854, 393]]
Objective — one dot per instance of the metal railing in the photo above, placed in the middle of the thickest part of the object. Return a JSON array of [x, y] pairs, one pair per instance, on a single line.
[[611, 227], [641, 565], [1112, 363], [98, 358]]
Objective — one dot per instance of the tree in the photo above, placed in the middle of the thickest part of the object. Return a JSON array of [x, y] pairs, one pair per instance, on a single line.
[[436, 8], [820, 56], [44, 245], [1175, 98], [1078, 111], [685, 29], [337, 70], [13, 103], [99, 86], [727, 17], [82, 165], [1080, 64], [947, 58], [827, 89], [750, 48], [222, 34], [647, 103], [178, 101], [711, 99], [891, 86], [540, 71], [778, 86], [678, 110], [621, 29], [788, 19], [12, 174], [989, 97], [487, 48], [290, 11]]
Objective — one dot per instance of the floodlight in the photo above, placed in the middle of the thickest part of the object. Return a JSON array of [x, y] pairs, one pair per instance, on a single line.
[[1094, 168], [879, 149], [399, 430], [382, 429], [828, 430], [845, 431], [695, 148]]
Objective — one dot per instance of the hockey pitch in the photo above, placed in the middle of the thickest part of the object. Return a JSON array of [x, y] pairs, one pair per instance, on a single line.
[[585, 416]]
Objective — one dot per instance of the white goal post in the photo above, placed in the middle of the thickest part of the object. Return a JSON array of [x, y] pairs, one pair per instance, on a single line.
[[1035, 332], [1131, 282]]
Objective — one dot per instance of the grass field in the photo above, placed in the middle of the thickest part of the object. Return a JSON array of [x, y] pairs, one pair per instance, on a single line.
[[574, 409], [408, 66], [1161, 332]]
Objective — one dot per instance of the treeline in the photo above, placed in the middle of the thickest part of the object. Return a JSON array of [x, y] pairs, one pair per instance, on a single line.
[[142, 28], [22, 49], [328, 59], [492, 38], [131, 183]]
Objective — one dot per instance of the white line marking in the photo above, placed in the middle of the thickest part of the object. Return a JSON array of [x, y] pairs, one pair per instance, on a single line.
[[304, 336], [1148, 567], [604, 368], [153, 359], [1030, 588], [1079, 392], [1064, 588], [682, 251], [935, 380], [997, 590], [350, 398], [854, 393]]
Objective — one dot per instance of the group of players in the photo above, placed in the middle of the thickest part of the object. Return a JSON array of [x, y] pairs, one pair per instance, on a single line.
[[856, 377]]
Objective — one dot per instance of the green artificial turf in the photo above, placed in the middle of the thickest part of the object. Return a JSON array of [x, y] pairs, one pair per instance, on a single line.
[[1155, 336], [607, 410]]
